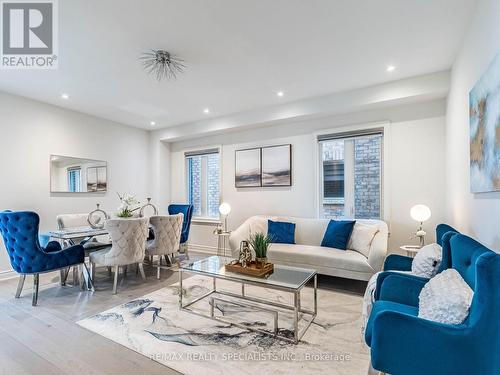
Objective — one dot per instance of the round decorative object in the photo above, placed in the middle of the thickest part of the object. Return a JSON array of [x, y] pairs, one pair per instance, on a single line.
[[225, 209], [97, 218], [420, 213], [149, 204]]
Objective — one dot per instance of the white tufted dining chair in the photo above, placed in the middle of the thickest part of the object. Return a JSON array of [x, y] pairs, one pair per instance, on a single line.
[[128, 240], [167, 237]]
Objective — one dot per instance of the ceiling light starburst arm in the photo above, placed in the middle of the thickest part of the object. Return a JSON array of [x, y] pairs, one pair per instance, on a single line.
[[162, 64]]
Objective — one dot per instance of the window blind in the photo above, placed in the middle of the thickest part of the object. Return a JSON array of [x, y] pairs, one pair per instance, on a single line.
[[201, 152], [350, 134]]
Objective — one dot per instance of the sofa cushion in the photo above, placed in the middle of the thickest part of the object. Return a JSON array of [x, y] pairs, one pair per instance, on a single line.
[[362, 237], [338, 233], [446, 298], [281, 231], [427, 261], [317, 256]]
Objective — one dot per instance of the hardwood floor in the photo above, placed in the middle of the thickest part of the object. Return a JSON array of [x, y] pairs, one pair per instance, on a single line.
[[45, 339]]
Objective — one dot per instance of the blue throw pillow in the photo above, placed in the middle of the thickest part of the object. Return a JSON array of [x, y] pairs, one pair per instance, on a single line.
[[281, 232], [338, 233]]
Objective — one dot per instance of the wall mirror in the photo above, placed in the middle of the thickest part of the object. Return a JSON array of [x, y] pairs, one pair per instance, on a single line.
[[77, 175]]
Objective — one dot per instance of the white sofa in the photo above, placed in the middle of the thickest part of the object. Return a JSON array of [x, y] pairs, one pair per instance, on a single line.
[[307, 251]]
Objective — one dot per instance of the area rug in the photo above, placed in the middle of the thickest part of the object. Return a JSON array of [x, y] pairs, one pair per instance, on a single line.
[[155, 327]]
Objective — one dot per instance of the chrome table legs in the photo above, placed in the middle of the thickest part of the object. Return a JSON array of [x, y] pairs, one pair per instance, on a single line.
[[298, 312]]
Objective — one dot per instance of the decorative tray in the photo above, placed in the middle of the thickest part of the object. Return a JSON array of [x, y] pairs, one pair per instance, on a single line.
[[251, 269]]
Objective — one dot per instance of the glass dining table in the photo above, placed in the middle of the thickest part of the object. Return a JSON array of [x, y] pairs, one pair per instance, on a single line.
[[66, 237]]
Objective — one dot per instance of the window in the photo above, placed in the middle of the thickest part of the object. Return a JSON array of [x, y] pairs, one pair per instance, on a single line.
[[74, 180], [351, 170], [203, 182]]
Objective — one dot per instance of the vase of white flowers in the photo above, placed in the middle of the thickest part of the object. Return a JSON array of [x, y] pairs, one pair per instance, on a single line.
[[129, 204]]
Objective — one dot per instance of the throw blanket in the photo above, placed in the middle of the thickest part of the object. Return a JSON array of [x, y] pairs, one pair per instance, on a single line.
[[369, 298]]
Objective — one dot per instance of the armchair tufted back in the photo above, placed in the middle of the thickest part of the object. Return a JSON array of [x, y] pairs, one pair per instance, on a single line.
[[441, 230], [464, 253], [20, 236], [187, 211], [446, 250], [485, 309], [128, 238], [167, 230]]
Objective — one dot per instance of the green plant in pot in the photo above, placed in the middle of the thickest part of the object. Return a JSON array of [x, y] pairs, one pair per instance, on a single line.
[[260, 244]]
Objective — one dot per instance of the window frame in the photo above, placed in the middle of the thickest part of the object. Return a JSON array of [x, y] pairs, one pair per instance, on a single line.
[[203, 151], [385, 204], [71, 170]]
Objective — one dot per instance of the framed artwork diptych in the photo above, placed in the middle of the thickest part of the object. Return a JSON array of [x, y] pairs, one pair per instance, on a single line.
[[264, 166]]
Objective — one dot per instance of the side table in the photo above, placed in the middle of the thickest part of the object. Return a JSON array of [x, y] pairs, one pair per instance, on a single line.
[[223, 249], [411, 250]]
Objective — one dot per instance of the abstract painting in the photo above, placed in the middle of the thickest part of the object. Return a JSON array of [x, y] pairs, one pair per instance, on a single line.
[[484, 114], [277, 165], [248, 168]]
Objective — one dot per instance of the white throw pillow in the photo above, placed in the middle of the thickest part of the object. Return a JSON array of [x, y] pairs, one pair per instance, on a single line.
[[361, 238], [427, 261], [446, 298]]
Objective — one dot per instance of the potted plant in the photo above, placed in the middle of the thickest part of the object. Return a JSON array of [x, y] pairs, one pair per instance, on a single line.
[[260, 243]]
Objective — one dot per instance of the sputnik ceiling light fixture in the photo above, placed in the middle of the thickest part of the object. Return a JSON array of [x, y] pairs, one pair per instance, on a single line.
[[162, 64]]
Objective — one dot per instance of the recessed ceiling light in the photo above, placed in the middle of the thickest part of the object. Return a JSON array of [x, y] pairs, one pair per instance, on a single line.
[[65, 96], [206, 110], [152, 123], [280, 93], [391, 68]]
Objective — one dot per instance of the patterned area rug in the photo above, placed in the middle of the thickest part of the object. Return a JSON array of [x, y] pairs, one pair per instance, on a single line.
[[155, 327]]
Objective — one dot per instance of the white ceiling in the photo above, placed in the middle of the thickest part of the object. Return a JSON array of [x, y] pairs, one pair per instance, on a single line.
[[239, 53]]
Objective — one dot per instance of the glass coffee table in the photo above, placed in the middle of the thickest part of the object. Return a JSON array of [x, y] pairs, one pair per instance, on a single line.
[[286, 279]]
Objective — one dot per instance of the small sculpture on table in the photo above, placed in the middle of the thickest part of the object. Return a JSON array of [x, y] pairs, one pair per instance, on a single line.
[[97, 218], [245, 254], [148, 205]]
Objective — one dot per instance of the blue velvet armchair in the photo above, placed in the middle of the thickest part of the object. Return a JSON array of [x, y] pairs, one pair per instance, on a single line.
[[27, 255], [396, 262], [403, 344], [187, 211]]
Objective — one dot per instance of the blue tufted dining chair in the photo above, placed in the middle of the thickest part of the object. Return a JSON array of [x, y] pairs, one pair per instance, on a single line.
[[187, 211], [27, 256]]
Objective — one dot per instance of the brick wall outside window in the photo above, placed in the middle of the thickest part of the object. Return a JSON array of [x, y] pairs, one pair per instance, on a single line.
[[213, 188], [208, 181], [367, 177]]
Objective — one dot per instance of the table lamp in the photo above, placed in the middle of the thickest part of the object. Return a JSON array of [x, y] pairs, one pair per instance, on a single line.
[[420, 213], [225, 209]]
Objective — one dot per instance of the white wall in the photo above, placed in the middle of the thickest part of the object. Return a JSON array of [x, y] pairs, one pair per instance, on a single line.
[[475, 214], [31, 131], [416, 151]]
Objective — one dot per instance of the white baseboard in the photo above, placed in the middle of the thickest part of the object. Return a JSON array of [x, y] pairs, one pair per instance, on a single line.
[[6, 275], [203, 249]]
